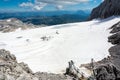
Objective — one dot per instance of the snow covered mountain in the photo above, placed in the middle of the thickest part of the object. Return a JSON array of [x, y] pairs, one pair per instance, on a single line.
[[48, 49]]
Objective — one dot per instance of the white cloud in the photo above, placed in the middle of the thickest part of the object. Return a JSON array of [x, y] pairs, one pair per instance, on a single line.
[[39, 4], [62, 2], [35, 6], [27, 4], [59, 7]]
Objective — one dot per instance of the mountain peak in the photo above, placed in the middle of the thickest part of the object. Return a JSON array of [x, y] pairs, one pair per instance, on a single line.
[[106, 9]]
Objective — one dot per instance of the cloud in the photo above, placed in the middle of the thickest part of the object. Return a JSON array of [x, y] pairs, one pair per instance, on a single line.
[[59, 4], [62, 2], [59, 7], [27, 4], [39, 6], [35, 6]]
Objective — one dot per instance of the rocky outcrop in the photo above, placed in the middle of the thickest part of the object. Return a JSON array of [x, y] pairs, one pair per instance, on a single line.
[[106, 9], [107, 72], [12, 24], [115, 40], [115, 28], [10, 69], [111, 70]]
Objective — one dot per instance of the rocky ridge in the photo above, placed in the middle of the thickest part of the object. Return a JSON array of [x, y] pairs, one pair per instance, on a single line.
[[106, 9], [115, 40], [12, 24], [109, 68], [10, 69]]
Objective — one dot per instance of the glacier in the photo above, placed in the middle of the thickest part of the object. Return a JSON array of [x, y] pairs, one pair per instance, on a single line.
[[79, 42]]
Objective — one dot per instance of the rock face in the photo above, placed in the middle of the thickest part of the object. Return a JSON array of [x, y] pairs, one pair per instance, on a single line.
[[115, 28], [10, 69], [115, 40], [111, 70], [107, 72], [106, 9]]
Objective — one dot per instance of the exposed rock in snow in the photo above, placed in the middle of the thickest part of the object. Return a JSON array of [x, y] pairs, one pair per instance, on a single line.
[[106, 9]]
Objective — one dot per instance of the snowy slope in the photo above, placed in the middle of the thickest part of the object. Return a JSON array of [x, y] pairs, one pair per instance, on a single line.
[[77, 41]]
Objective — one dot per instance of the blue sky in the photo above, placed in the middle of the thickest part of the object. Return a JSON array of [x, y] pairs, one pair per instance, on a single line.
[[47, 5]]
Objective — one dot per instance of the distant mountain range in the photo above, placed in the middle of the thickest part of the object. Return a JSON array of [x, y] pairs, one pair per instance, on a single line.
[[48, 18]]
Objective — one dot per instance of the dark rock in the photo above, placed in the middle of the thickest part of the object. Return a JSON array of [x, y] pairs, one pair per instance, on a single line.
[[115, 28], [115, 38], [115, 54], [107, 72], [106, 9]]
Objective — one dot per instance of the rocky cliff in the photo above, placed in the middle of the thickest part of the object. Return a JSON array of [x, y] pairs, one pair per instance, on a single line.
[[106, 9], [115, 40], [10, 69], [109, 68]]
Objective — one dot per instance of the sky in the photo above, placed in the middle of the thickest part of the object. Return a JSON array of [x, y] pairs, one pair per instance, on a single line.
[[47, 5]]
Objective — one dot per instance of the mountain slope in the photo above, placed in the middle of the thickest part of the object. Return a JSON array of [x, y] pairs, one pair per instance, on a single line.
[[48, 49], [106, 9]]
